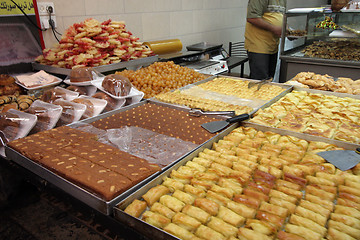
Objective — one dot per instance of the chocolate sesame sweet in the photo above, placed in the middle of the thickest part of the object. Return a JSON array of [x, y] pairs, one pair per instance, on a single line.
[[78, 157], [161, 119]]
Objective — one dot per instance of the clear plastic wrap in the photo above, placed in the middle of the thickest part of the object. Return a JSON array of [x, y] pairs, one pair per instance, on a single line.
[[16, 124], [94, 106], [53, 94], [82, 76], [72, 112], [47, 115], [151, 146]]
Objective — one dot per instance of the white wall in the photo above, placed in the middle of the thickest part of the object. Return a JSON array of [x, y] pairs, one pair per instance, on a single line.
[[192, 21]]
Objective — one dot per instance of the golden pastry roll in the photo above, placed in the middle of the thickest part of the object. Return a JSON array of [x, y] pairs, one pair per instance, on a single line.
[[250, 164], [329, 205], [209, 155], [303, 212], [194, 191], [283, 183], [283, 203], [208, 233], [302, 231], [258, 187], [307, 223], [295, 179], [178, 231], [184, 197], [288, 236], [272, 170], [271, 162], [202, 184], [331, 177], [315, 208], [289, 191], [232, 184], [218, 198], [221, 226], [207, 205], [163, 210], [348, 203], [154, 194], [241, 209], [353, 232], [196, 213], [181, 176], [346, 219], [135, 208], [230, 216], [249, 201], [173, 184], [271, 218], [185, 221], [196, 166], [256, 194], [172, 203], [223, 161], [350, 190], [352, 184], [319, 181], [202, 161], [347, 211], [240, 167], [320, 193], [261, 226], [277, 210], [229, 157], [155, 219], [334, 234], [208, 176], [226, 192], [246, 233], [220, 170]]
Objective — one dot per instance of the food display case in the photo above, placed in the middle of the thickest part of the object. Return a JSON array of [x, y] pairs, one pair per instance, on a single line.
[[321, 42]]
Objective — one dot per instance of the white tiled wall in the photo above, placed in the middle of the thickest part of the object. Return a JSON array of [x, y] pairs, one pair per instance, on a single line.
[[192, 21]]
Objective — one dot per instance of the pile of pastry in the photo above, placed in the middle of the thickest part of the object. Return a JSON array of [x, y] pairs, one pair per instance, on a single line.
[[316, 114], [91, 43], [327, 83], [161, 77], [347, 50], [222, 94], [239, 88], [192, 101], [256, 185]]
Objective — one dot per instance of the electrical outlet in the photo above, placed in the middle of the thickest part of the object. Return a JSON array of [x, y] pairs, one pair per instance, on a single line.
[[44, 6], [44, 21]]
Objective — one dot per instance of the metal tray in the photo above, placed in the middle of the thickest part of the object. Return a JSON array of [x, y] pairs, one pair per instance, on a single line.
[[132, 64], [337, 94], [287, 89], [76, 191], [149, 230]]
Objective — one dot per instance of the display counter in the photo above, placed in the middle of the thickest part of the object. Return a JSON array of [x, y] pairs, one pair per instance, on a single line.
[[320, 42]]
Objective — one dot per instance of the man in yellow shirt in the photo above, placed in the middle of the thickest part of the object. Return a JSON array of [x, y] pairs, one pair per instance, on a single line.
[[262, 33]]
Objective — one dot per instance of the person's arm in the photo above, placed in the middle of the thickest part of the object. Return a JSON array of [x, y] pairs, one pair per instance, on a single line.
[[261, 23]]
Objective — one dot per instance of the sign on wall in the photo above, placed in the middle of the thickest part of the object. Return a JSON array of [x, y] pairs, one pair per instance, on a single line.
[[9, 8]]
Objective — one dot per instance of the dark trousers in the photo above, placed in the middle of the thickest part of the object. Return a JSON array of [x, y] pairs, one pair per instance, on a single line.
[[262, 66]]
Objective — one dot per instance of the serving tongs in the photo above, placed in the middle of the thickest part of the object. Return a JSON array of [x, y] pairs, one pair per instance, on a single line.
[[259, 83], [195, 112]]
